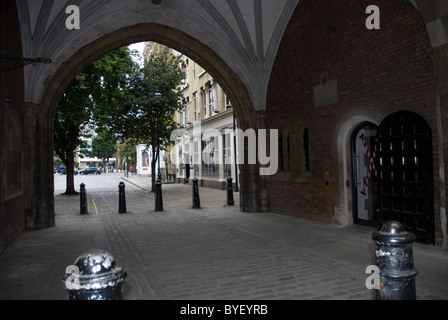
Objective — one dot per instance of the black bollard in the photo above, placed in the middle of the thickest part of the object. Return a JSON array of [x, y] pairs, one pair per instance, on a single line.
[[230, 201], [94, 276], [196, 199], [159, 201], [395, 261], [121, 198], [83, 199]]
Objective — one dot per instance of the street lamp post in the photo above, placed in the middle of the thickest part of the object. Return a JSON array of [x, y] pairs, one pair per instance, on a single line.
[[234, 152], [158, 200], [158, 97]]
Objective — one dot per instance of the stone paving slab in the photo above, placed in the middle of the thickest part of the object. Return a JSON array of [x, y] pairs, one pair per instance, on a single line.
[[212, 253]]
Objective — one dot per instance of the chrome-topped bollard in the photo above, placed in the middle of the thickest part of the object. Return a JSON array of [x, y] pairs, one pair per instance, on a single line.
[[395, 261], [94, 276]]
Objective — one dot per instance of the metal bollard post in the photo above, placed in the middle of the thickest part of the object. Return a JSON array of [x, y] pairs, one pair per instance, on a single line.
[[159, 201], [83, 199], [395, 261], [121, 198], [230, 201], [94, 276], [196, 199]]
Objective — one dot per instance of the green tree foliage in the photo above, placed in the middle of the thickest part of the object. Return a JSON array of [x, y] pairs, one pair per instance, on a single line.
[[103, 146], [143, 117], [127, 151], [99, 87]]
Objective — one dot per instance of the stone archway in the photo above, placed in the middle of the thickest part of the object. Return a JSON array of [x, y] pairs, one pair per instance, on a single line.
[[42, 131]]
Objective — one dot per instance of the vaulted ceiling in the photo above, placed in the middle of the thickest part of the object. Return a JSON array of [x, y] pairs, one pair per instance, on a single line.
[[244, 34]]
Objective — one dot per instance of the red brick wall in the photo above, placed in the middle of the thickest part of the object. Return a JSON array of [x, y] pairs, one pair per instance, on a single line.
[[379, 71]]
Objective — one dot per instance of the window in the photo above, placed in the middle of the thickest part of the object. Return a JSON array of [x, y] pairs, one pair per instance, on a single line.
[[228, 103], [185, 70], [227, 154], [195, 70], [197, 113], [288, 153], [284, 151], [211, 98], [145, 159], [280, 151], [204, 102], [181, 166], [196, 154], [187, 152], [186, 112], [306, 151], [210, 155]]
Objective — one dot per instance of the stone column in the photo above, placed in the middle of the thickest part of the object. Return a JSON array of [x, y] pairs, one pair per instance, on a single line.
[[435, 14], [441, 72], [39, 183], [254, 195]]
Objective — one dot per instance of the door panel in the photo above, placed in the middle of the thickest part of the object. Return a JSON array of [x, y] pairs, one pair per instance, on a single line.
[[364, 175], [404, 164]]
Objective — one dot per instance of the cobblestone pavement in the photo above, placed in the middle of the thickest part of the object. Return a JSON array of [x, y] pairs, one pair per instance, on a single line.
[[212, 253]]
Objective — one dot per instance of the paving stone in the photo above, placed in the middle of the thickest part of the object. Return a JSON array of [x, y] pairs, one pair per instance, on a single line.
[[213, 253]]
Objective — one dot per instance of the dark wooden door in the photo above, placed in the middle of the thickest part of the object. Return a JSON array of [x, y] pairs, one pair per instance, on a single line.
[[405, 173]]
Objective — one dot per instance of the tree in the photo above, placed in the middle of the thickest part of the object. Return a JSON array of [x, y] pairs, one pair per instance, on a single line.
[[71, 121], [127, 152], [147, 113], [99, 85], [103, 146]]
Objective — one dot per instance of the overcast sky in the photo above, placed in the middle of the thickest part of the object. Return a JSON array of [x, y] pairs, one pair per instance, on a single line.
[[139, 47]]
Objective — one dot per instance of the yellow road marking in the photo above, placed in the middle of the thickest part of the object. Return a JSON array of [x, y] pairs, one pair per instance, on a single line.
[[94, 206]]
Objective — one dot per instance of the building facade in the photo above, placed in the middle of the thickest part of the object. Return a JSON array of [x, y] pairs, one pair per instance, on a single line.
[[358, 129], [204, 146], [144, 159]]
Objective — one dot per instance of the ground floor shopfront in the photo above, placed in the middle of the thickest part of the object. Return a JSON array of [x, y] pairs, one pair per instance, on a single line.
[[206, 150]]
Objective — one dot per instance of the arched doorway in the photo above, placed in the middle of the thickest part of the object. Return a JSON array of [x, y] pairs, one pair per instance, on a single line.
[[405, 173], [364, 186]]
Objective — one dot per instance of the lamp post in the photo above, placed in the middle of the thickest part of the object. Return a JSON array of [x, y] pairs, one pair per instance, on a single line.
[[158, 200], [234, 152], [158, 98]]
